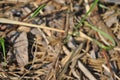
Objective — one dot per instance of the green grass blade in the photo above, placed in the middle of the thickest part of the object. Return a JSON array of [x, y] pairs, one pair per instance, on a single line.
[[36, 12], [103, 6], [98, 30], [91, 8], [104, 34], [102, 46], [2, 42]]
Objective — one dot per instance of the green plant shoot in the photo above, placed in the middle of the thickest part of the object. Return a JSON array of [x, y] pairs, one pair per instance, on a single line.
[[3, 48], [91, 8], [36, 12], [103, 34], [98, 30]]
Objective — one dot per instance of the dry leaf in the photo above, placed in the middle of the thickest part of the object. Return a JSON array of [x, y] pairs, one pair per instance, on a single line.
[[20, 44]]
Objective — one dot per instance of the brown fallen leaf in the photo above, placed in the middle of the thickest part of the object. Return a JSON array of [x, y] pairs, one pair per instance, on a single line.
[[20, 47]]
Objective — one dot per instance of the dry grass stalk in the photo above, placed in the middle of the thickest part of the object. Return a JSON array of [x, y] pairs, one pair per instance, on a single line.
[[86, 71], [107, 69], [7, 21], [73, 54]]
